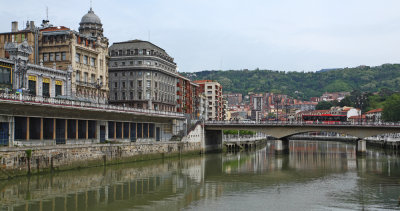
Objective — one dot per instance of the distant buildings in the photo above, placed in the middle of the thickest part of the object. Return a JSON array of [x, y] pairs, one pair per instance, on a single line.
[[213, 93], [233, 99]]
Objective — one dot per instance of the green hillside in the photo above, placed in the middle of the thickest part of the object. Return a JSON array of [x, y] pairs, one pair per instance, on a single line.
[[303, 85]]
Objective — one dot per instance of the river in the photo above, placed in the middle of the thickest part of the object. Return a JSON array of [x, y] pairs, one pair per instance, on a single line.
[[313, 176]]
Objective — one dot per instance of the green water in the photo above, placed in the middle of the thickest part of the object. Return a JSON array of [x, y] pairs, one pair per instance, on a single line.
[[313, 176]]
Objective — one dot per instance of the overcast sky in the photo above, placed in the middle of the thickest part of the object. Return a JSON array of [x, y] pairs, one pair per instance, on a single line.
[[288, 35]]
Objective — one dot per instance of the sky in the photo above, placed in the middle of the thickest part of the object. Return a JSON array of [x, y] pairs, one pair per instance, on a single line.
[[284, 35]]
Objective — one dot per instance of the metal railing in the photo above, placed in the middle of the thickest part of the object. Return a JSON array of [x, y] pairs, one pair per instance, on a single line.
[[80, 104], [308, 123]]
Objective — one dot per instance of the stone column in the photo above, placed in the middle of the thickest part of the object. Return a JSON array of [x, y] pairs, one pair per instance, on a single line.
[[282, 146], [361, 147], [11, 129]]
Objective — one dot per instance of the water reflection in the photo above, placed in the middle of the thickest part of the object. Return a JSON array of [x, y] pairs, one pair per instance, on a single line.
[[315, 175]]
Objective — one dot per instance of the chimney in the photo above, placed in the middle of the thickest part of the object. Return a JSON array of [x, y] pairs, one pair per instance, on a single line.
[[32, 25], [14, 26]]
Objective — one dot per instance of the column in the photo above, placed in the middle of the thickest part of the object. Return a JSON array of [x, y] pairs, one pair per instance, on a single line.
[[87, 130], [122, 130], [27, 128], [66, 130], [41, 128], [11, 131], [115, 130], [76, 127], [361, 147], [54, 128], [282, 146]]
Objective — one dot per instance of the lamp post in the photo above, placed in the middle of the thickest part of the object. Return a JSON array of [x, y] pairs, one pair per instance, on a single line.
[[360, 101], [98, 86], [277, 99]]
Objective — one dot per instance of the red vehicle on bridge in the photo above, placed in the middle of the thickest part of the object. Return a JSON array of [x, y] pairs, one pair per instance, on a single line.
[[325, 119]]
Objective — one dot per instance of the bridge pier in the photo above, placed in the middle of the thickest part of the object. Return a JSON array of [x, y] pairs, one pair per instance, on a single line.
[[361, 147], [282, 146], [213, 140]]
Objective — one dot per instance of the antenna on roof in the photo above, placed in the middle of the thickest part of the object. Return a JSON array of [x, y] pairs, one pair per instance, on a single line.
[[90, 4], [47, 13]]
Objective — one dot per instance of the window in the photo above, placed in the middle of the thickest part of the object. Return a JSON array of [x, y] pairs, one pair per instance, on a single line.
[[148, 73], [58, 88], [123, 64], [77, 57], [92, 78], [120, 52], [116, 96], [139, 95], [148, 63], [209, 87], [148, 95], [92, 62], [51, 57], [123, 84], [63, 56], [131, 62], [85, 77], [155, 84], [140, 83], [45, 57], [115, 74], [78, 76], [46, 87], [131, 73], [140, 51], [85, 59], [123, 73], [115, 84], [131, 95], [140, 62], [148, 83], [123, 95], [22, 37], [140, 73], [131, 84], [58, 56]]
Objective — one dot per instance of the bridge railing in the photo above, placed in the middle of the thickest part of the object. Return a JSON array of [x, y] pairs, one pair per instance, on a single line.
[[83, 104], [397, 124]]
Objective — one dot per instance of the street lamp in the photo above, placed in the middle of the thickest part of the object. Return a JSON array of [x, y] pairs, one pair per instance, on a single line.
[[277, 99], [360, 101], [98, 86]]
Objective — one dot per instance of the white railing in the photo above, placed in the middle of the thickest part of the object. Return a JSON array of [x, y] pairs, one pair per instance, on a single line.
[[80, 104], [308, 123]]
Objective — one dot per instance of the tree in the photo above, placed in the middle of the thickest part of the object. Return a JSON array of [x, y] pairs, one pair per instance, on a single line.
[[324, 105], [391, 108]]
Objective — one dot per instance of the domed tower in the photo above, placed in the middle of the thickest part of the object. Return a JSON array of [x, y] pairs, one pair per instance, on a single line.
[[91, 25]]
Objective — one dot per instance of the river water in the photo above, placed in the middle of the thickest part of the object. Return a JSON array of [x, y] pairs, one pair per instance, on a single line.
[[313, 176]]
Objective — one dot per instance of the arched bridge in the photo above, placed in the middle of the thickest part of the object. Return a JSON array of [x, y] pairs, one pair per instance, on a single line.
[[283, 130], [286, 129]]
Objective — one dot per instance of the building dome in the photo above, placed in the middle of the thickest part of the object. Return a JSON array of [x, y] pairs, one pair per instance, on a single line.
[[91, 25], [90, 17]]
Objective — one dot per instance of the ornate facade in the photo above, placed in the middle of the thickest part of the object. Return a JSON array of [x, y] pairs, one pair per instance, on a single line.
[[85, 52], [142, 75]]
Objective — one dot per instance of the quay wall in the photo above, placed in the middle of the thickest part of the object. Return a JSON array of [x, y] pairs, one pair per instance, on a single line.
[[17, 161]]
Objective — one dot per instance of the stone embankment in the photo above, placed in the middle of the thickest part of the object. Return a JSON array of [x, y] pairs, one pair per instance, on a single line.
[[32, 160], [17, 161]]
